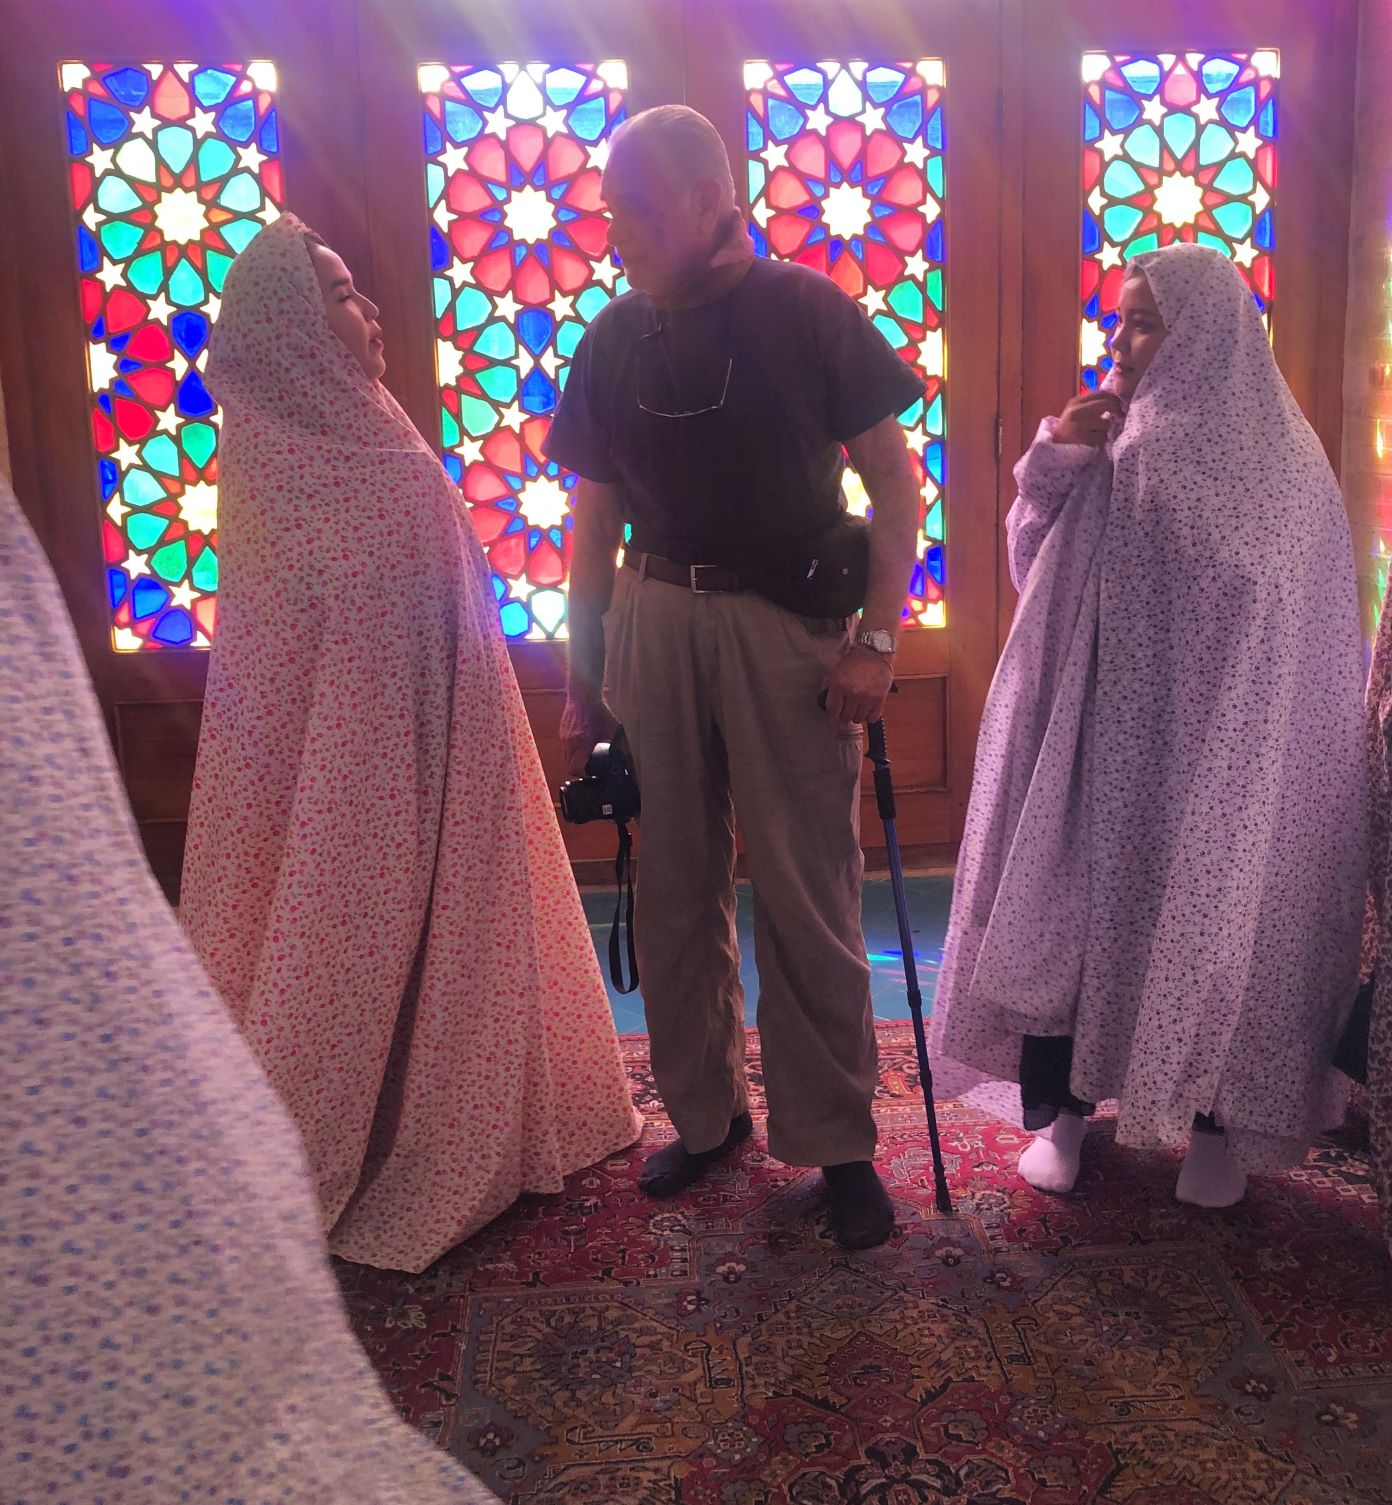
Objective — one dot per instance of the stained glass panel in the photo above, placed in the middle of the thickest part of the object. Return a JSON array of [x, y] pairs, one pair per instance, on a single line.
[[846, 163], [514, 157], [1176, 147], [173, 168]]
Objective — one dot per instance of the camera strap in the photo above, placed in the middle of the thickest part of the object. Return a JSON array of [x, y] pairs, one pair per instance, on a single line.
[[623, 915]]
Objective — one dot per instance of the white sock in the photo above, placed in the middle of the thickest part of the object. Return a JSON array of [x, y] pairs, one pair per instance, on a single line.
[[1210, 1177], [1050, 1162]]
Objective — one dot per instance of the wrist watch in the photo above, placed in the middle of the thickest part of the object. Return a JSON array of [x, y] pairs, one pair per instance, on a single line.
[[880, 642]]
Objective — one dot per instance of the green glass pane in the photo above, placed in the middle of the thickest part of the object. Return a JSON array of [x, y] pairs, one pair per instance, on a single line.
[[911, 415], [242, 194], [1235, 220], [205, 570], [890, 330], [146, 273], [1214, 145], [907, 301], [1205, 238], [589, 303], [1142, 244], [440, 294], [162, 454], [1236, 178], [497, 342], [934, 284], [175, 144], [116, 196], [568, 338], [1120, 220], [434, 182], [137, 160], [500, 382], [933, 522], [934, 420], [1122, 181], [119, 238], [478, 417], [218, 265], [471, 308], [449, 429], [215, 160], [139, 489], [171, 563], [199, 441], [185, 285], [145, 529], [758, 176], [1143, 146], [935, 176], [1180, 131], [239, 233]]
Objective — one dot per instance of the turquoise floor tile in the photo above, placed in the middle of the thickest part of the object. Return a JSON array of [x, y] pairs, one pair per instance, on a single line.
[[929, 897]]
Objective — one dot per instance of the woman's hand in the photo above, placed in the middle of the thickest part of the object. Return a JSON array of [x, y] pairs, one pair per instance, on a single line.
[[1089, 420]]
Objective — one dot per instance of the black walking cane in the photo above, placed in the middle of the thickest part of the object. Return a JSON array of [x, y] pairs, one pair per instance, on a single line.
[[878, 754]]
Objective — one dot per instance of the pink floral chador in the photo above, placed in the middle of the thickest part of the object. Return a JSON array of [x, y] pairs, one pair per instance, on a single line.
[[375, 879]]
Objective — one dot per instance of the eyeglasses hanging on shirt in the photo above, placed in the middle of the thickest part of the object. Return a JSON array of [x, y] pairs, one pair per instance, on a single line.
[[660, 395]]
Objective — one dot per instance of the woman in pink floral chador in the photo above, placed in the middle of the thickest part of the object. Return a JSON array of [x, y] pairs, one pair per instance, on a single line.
[[374, 878]]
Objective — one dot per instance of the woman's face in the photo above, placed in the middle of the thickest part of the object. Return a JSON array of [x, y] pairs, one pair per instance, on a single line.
[[1139, 334], [352, 315]]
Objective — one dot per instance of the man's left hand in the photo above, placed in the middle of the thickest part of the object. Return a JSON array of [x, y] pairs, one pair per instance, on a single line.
[[858, 686]]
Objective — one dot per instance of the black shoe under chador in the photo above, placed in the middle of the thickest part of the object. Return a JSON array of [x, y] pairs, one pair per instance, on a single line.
[[673, 1168], [861, 1213]]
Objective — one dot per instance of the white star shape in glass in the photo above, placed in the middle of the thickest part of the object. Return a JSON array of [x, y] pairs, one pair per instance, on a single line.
[[181, 216], [544, 502], [1179, 200], [846, 211], [529, 215], [199, 506]]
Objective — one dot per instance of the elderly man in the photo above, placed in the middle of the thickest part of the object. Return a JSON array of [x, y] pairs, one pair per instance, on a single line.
[[710, 410]]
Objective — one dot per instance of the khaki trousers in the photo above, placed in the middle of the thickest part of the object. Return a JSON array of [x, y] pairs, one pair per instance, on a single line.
[[718, 696]]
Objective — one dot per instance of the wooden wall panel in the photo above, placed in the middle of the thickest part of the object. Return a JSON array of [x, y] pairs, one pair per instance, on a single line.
[[1013, 254]]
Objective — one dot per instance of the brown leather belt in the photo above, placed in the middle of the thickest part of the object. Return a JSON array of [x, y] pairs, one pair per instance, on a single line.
[[701, 579]]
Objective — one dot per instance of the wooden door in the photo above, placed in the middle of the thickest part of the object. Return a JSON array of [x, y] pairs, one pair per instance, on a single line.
[[865, 141], [1252, 109], [471, 111]]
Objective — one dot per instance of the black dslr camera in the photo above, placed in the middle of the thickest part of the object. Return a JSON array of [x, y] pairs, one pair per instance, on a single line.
[[607, 790]]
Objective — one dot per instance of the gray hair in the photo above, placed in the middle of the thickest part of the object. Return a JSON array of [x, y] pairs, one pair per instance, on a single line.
[[682, 143]]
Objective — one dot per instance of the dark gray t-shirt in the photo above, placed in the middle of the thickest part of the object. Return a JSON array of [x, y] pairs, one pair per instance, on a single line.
[[790, 369]]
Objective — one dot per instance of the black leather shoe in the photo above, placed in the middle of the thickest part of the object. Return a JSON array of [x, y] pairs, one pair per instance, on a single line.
[[862, 1215], [673, 1168]]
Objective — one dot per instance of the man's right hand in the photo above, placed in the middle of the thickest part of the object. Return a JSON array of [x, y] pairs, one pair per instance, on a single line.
[[583, 725], [1089, 419]]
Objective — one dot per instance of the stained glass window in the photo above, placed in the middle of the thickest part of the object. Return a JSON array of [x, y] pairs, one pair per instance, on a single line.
[[1177, 147], [845, 164], [514, 157], [173, 168]]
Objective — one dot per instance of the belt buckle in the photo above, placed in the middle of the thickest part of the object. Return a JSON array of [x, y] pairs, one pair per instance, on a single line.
[[696, 588]]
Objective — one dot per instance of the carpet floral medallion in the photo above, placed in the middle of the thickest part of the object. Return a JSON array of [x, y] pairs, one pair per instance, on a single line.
[[1107, 1348]]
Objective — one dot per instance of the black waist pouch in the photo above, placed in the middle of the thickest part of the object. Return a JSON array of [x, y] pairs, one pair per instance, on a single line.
[[826, 575]]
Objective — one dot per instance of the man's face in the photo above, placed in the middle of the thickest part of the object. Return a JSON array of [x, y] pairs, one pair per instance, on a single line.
[[662, 233]]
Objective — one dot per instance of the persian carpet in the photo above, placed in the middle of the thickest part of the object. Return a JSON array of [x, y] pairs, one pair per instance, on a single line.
[[1112, 1347]]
